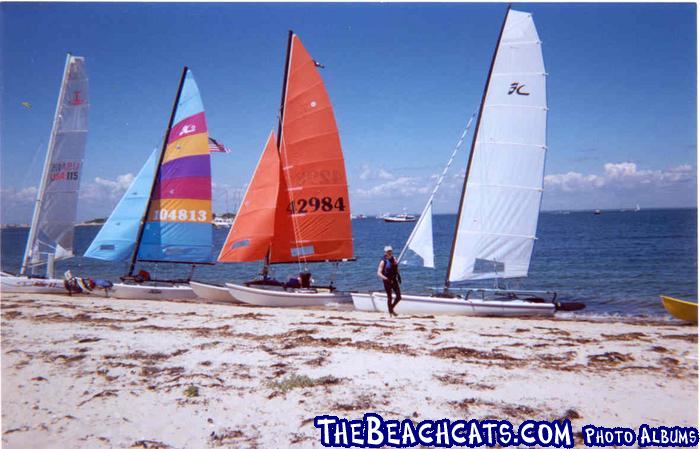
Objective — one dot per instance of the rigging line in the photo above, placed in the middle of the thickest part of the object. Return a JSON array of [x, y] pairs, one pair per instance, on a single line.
[[459, 144], [290, 191]]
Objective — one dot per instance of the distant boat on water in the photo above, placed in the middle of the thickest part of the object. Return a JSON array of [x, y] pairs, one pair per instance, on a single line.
[[221, 222], [400, 218], [637, 209], [597, 212]]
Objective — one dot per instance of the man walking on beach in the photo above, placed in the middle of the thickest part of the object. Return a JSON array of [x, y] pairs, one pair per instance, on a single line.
[[388, 272]]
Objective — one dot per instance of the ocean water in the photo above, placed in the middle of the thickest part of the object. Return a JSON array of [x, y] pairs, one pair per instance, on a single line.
[[616, 262]]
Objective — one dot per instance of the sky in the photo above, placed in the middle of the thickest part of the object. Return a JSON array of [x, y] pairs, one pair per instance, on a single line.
[[403, 79]]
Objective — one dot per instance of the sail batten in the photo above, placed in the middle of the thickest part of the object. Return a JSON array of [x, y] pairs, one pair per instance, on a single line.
[[503, 189], [52, 230]]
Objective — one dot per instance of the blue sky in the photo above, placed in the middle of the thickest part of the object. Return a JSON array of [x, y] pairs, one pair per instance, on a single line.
[[403, 79]]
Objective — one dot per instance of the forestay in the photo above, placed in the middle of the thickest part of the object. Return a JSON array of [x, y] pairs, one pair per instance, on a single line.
[[55, 213], [419, 249], [117, 237], [503, 190]]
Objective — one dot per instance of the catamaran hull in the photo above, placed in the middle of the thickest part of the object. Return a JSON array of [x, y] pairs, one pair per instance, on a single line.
[[212, 292], [152, 292], [23, 284], [282, 298], [427, 305]]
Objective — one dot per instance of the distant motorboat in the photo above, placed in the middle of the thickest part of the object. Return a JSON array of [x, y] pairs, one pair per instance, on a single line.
[[220, 222], [400, 218], [597, 212]]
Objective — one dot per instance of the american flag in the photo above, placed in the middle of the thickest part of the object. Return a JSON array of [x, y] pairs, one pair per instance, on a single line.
[[216, 147]]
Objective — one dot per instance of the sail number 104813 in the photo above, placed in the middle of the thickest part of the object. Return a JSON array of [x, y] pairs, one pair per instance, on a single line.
[[179, 215], [315, 204]]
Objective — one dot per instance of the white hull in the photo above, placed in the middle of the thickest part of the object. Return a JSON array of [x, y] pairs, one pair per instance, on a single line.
[[290, 298], [427, 305], [156, 292], [23, 284], [399, 220], [212, 292]]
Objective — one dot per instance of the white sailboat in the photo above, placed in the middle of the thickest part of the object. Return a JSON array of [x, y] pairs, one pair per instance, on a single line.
[[500, 202], [52, 229]]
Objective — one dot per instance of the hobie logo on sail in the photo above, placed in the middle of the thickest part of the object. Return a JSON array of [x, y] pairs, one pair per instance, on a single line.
[[517, 88], [187, 129]]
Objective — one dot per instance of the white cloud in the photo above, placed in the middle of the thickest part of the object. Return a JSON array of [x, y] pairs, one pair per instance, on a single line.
[[369, 173], [623, 175], [14, 197], [106, 190], [402, 186]]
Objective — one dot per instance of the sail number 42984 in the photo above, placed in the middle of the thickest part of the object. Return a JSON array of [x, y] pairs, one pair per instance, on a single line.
[[179, 215], [314, 204]]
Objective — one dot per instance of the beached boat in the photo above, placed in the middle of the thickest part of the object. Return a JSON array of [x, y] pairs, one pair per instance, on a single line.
[[212, 292], [165, 215], [683, 310], [299, 297], [400, 218], [420, 305], [500, 202], [296, 208], [52, 228]]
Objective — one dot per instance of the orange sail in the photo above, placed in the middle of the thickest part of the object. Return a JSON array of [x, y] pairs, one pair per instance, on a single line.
[[313, 217], [252, 231]]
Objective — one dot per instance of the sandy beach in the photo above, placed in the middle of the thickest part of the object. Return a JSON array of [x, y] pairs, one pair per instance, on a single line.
[[86, 372]]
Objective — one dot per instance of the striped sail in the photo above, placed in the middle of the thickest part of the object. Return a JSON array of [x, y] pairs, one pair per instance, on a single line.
[[55, 214], [178, 226], [501, 201], [117, 237]]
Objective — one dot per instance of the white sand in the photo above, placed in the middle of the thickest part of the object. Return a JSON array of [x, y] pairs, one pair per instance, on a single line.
[[92, 373]]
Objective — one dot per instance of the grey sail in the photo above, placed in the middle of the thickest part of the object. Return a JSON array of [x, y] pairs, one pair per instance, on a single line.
[[51, 233]]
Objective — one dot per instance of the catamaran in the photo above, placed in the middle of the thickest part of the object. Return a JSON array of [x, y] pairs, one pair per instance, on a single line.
[[296, 208], [52, 229], [500, 202], [165, 215]]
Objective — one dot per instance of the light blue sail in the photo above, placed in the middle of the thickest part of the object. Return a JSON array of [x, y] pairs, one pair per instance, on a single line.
[[117, 238]]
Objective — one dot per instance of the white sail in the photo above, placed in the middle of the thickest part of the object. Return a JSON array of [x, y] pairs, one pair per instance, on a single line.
[[419, 248], [501, 202], [51, 234]]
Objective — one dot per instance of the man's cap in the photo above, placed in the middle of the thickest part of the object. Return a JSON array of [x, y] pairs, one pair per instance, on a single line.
[[388, 248]]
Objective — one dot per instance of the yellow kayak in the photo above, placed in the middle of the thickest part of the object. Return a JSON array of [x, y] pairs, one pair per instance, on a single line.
[[683, 310]]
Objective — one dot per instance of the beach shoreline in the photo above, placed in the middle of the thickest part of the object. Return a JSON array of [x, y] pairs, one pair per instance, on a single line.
[[99, 372]]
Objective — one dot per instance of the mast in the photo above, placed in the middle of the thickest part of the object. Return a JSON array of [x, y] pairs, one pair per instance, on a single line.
[[471, 152], [142, 225], [290, 36], [29, 250]]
